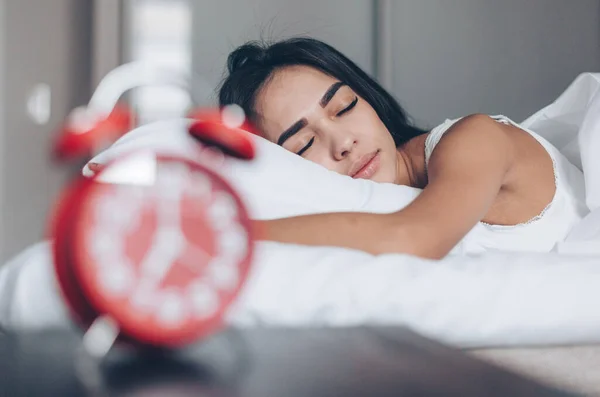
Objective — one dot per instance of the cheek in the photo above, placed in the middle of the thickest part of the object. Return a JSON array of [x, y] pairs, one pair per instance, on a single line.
[[367, 125], [322, 157]]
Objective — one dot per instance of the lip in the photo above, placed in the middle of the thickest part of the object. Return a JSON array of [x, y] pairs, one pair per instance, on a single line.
[[366, 166]]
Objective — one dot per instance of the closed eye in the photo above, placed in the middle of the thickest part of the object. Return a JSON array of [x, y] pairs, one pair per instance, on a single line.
[[348, 108], [305, 148]]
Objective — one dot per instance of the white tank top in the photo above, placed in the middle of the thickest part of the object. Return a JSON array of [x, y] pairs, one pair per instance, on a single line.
[[542, 232]]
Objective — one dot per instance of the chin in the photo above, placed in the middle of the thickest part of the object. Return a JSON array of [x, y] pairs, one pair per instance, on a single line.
[[382, 177], [386, 172], [383, 180]]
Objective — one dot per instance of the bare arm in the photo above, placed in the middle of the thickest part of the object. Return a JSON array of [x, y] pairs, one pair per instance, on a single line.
[[466, 172]]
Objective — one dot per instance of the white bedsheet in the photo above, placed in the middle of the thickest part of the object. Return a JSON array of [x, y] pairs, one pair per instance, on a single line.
[[495, 299], [498, 299]]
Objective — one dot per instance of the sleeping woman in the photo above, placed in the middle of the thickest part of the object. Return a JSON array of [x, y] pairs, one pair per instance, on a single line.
[[478, 170]]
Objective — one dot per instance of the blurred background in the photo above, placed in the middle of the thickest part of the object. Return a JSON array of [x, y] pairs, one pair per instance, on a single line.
[[440, 58]]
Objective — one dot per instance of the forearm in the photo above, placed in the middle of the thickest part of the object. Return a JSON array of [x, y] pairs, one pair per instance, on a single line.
[[349, 230], [373, 233]]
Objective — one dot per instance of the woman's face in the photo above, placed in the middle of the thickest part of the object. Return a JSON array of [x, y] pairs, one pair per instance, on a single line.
[[325, 121]]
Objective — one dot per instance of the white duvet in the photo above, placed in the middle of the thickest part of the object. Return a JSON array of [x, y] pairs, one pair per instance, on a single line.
[[493, 299]]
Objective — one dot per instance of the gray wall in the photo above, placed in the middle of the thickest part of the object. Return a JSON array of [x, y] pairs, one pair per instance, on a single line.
[[2, 106], [44, 42], [450, 57], [220, 26], [512, 57]]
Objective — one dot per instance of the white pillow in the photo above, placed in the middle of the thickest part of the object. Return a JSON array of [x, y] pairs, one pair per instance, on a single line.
[[275, 184]]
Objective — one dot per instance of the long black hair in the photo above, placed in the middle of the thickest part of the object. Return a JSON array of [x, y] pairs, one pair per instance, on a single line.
[[251, 65]]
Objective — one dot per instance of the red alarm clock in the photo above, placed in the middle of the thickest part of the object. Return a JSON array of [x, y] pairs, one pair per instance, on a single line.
[[164, 260]]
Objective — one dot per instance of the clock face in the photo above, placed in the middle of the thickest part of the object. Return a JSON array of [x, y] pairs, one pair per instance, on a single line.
[[165, 260]]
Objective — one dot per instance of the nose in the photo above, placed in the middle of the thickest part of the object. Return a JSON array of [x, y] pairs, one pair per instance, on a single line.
[[341, 140], [342, 145]]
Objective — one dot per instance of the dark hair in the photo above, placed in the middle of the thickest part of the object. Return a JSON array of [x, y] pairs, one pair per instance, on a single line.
[[251, 65]]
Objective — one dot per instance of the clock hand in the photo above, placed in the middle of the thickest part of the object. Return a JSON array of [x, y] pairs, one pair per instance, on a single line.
[[193, 255], [168, 240]]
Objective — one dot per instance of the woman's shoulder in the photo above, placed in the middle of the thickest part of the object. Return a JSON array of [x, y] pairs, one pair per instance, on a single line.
[[435, 135]]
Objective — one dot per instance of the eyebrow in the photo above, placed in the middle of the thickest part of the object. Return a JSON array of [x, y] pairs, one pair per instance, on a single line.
[[298, 125], [290, 132], [330, 93]]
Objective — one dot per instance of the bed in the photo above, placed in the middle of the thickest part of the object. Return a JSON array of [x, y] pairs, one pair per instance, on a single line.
[[551, 336], [536, 313]]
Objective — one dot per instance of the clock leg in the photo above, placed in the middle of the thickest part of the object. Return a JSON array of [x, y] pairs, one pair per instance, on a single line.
[[97, 342]]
